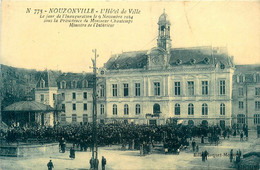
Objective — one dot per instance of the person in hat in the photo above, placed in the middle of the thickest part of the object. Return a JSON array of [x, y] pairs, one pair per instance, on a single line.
[[50, 165]]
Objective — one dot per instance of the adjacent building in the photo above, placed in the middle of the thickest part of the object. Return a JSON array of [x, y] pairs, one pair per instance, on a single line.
[[246, 96]]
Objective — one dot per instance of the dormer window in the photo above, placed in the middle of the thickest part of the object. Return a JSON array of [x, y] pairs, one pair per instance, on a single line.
[[206, 60], [84, 83], [42, 84], [74, 84], [192, 61], [179, 62], [240, 78], [256, 77], [63, 85]]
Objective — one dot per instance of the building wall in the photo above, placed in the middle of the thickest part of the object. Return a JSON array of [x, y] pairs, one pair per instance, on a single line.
[[167, 99], [248, 98], [79, 102]]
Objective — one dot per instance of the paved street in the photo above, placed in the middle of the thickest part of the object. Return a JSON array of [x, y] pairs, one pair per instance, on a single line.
[[118, 159]]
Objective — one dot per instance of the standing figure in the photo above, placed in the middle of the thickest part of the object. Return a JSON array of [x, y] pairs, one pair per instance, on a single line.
[[104, 162], [231, 155], [241, 136], [72, 153], [206, 154], [50, 165], [193, 145]]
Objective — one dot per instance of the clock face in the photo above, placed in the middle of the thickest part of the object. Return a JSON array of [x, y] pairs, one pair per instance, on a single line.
[[158, 59]]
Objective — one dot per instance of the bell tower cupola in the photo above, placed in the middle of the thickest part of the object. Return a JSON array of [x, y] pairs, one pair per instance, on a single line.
[[164, 38]]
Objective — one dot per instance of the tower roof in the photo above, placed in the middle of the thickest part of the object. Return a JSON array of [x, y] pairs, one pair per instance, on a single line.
[[164, 18]]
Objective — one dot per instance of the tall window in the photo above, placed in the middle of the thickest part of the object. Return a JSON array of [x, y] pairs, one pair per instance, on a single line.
[[63, 107], [54, 96], [177, 88], [74, 96], [241, 91], [42, 97], [190, 88], [241, 118], [204, 87], [137, 109], [240, 105], [63, 96], [204, 109], [85, 106], [190, 109], [257, 91], [222, 109], [74, 118], [177, 109], [126, 109], [102, 90], [126, 89], [74, 106], [114, 109], [102, 109], [85, 95], [137, 89], [222, 87], [257, 105], [157, 89], [256, 119], [85, 118], [114, 88]]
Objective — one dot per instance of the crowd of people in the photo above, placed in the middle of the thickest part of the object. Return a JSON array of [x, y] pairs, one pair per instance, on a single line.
[[134, 136]]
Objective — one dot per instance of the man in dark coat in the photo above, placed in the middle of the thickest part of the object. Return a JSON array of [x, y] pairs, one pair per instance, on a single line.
[[50, 165], [104, 162], [231, 155], [193, 145]]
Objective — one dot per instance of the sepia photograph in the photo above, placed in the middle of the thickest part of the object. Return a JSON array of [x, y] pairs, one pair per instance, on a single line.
[[128, 85]]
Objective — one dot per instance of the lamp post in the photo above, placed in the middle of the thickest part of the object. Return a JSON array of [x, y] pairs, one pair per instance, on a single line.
[[94, 158]]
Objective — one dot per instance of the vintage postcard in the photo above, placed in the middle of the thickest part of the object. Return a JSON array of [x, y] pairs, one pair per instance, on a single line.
[[130, 85]]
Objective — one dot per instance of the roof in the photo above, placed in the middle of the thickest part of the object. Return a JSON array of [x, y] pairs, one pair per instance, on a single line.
[[247, 68], [49, 78], [78, 77], [128, 60], [178, 56], [28, 106]]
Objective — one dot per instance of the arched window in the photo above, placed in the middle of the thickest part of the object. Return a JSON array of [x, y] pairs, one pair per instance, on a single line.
[[102, 109], [190, 122], [190, 109], [204, 109], [137, 109], [126, 109], [177, 109], [222, 109], [241, 119], [114, 109], [256, 119]]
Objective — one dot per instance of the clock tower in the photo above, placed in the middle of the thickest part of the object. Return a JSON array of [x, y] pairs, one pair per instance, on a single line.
[[164, 39]]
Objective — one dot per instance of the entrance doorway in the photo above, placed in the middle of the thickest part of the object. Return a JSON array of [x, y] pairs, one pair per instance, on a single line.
[[156, 108]]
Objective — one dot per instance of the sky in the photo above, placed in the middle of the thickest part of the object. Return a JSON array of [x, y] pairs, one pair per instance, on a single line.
[[27, 42]]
